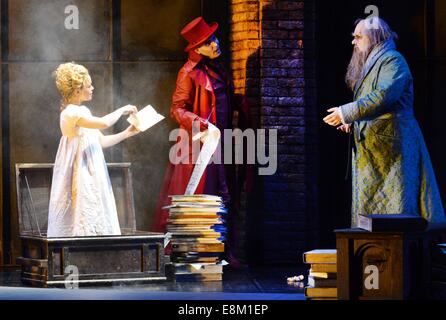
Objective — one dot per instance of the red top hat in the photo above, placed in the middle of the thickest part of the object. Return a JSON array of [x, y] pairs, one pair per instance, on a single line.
[[197, 31]]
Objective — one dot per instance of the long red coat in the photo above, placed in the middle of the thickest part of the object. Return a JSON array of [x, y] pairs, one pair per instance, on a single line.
[[193, 97]]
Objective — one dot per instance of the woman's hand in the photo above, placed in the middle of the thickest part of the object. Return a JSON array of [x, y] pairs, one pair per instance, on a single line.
[[347, 128], [129, 109], [131, 131], [334, 118]]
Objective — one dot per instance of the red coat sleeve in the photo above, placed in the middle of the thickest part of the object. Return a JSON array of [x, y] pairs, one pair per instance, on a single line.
[[182, 101]]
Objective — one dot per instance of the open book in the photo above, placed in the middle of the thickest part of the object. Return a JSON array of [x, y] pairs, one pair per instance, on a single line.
[[145, 118]]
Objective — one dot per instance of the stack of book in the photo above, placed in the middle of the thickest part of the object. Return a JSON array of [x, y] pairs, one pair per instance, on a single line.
[[196, 225], [322, 275]]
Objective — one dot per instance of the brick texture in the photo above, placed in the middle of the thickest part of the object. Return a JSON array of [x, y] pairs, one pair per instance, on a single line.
[[270, 67]]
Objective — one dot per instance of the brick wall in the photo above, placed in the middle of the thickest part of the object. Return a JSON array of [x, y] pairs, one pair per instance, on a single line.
[[270, 65]]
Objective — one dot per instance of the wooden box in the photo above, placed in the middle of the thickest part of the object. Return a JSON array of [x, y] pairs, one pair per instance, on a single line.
[[402, 261], [134, 256]]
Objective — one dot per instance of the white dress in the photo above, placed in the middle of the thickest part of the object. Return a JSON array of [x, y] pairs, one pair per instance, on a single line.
[[82, 201]]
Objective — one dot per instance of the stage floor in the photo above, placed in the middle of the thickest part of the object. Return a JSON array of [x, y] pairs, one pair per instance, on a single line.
[[260, 283]]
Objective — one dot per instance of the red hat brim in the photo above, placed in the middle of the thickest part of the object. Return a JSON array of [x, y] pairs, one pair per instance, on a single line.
[[212, 27]]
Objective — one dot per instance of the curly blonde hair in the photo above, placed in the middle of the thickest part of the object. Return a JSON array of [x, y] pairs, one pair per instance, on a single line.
[[69, 77]]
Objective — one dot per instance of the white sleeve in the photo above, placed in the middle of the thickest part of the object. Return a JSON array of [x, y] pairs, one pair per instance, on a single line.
[[70, 115]]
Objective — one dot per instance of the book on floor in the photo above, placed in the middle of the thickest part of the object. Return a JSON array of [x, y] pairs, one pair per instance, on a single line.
[[320, 256], [321, 283], [324, 267], [321, 292], [198, 247], [198, 276], [323, 275], [197, 268], [198, 230], [195, 198]]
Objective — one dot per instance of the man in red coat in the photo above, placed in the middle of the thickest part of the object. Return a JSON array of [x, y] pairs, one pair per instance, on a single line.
[[204, 92]]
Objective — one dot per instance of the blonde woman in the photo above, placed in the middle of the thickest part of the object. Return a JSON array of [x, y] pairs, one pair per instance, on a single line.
[[82, 201]]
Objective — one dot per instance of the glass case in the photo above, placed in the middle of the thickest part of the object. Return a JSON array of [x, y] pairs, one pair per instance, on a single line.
[[33, 195]]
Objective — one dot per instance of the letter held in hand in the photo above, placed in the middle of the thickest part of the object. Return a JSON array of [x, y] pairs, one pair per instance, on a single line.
[[145, 118]]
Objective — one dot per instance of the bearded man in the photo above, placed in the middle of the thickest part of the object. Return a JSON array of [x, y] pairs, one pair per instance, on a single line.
[[391, 168]]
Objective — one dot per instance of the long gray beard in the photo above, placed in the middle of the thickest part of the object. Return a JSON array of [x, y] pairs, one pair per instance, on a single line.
[[355, 68]]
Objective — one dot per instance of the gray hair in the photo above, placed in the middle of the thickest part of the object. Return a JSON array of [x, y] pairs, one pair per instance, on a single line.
[[377, 31]]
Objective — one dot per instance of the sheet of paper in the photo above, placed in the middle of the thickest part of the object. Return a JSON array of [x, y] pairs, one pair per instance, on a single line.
[[167, 238], [196, 266], [145, 118], [210, 141], [223, 263]]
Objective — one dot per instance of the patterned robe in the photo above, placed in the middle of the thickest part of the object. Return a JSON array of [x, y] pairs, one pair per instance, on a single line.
[[391, 168]]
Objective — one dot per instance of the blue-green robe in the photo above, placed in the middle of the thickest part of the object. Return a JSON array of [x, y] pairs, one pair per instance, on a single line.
[[391, 168]]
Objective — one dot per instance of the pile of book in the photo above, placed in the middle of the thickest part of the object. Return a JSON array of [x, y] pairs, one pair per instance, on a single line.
[[322, 275], [196, 225]]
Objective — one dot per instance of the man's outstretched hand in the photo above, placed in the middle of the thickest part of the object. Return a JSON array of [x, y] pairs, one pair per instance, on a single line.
[[334, 118]]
